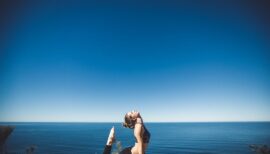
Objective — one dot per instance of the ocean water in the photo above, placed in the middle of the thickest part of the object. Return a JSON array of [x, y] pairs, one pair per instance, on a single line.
[[166, 138]]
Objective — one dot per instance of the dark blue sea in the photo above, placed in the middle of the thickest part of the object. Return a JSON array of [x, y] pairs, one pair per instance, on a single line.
[[166, 138]]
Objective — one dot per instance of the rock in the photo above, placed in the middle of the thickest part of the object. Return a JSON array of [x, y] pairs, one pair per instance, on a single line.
[[260, 149]]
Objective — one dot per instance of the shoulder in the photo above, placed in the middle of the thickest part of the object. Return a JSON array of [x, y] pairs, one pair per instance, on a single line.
[[139, 121]]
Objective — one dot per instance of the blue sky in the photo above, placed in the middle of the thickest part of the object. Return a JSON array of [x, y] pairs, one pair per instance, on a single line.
[[88, 61]]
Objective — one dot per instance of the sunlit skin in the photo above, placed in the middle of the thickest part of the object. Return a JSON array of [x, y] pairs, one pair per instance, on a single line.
[[111, 137]]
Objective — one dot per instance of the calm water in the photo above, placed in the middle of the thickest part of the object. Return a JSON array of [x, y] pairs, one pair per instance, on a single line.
[[166, 138]]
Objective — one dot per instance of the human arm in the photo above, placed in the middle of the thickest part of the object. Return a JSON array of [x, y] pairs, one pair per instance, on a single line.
[[111, 138], [137, 133]]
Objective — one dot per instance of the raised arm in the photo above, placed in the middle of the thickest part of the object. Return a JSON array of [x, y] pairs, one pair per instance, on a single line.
[[137, 133], [111, 138]]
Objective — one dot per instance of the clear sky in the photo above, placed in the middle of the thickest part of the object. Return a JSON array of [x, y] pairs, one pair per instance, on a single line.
[[174, 61]]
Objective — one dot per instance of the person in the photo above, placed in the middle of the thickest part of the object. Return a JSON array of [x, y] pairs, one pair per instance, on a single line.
[[132, 120]]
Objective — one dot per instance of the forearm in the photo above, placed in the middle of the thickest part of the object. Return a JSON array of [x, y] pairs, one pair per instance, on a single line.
[[108, 147]]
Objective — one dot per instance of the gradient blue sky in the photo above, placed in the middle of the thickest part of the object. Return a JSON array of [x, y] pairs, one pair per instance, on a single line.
[[175, 61]]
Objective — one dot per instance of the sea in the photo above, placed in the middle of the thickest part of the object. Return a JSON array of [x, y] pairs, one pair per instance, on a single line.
[[166, 138]]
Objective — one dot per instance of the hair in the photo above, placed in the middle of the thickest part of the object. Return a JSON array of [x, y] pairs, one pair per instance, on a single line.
[[129, 122]]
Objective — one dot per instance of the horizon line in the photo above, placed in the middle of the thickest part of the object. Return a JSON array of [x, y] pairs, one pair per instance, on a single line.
[[122, 121]]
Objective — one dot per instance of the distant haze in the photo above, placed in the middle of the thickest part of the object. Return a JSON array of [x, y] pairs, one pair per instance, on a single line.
[[174, 61]]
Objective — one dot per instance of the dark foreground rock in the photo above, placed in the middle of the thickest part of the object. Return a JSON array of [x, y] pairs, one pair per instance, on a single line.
[[260, 149]]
